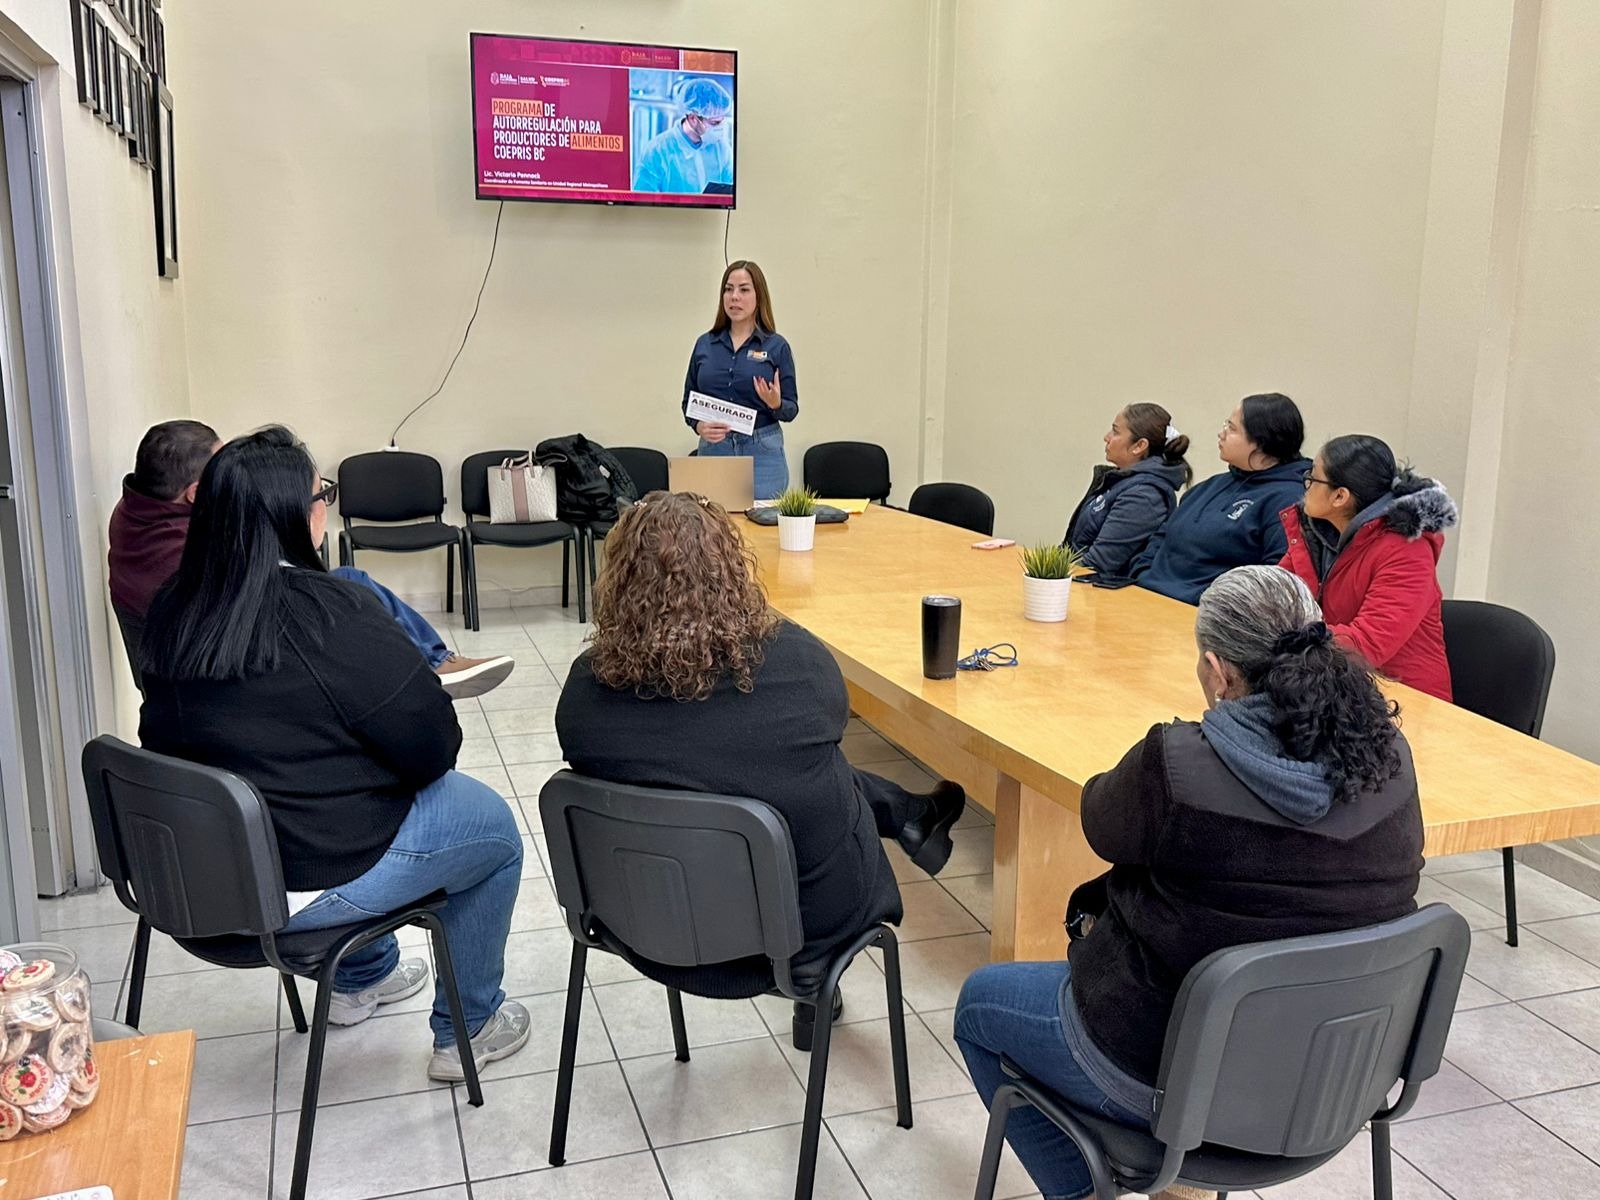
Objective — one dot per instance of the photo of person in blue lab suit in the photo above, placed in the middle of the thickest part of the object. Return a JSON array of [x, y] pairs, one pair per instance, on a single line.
[[695, 148]]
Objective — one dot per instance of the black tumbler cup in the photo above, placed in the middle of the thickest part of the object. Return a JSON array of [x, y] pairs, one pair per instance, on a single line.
[[941, 636]]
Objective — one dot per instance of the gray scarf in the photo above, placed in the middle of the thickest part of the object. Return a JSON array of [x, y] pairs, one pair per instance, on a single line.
[[1240, 731]]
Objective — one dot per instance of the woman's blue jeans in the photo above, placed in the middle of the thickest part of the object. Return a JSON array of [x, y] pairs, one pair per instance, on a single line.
[[765, 445], [461, 837], [1015, 1009]]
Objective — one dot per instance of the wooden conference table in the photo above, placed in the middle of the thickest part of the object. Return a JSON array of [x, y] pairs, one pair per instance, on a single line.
[[1024, 740], [130, 1139]]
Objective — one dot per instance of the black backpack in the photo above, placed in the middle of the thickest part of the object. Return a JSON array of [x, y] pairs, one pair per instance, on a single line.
[[591, 485]]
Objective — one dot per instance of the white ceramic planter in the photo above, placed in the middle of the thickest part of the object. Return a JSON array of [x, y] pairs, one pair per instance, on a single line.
[[1045, 599], [797, 533]]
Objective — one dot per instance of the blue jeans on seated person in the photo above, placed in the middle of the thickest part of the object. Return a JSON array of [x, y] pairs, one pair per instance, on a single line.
[[461, 838], [1015, 1009], [765, 445], [423, 635]]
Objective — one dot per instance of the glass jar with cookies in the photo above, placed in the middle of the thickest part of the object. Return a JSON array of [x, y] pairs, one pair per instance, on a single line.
[[47, 1068]]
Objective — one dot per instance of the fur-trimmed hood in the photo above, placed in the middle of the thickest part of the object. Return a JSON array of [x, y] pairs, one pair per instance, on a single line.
[[1417, 505]]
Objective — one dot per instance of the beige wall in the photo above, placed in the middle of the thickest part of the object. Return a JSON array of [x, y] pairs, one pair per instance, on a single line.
[[1179, 203], [1546, 554], [988, 226], [123, 351], [333, 245]]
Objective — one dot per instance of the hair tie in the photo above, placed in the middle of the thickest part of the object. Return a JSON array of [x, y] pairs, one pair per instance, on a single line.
[[1299, 641], [1172, 432]]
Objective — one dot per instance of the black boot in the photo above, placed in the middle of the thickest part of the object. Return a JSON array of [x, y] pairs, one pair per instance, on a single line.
[[805, 1020], [927, 839]]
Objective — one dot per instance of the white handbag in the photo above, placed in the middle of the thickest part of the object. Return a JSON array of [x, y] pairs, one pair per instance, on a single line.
[[521, 492]]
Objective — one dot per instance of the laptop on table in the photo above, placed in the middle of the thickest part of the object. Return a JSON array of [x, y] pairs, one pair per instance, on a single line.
[[731, 482]]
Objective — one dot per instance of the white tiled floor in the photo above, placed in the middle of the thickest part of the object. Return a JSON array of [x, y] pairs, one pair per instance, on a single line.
[[1516, 1112]]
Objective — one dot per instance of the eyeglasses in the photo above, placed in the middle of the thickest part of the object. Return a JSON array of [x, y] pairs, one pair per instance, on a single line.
[[1310, 479], [327, 493]]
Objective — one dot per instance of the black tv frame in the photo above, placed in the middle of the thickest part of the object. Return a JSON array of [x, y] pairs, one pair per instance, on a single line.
[[477, 169]]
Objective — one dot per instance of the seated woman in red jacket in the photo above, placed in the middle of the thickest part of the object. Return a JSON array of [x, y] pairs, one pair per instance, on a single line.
[[1366, 540]]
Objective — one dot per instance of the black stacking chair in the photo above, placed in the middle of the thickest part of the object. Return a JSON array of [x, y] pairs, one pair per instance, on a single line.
[[690, 879], [847, 470], [481, 532], [957, 504], [1501, 665], [191, 850], [405, 492], [648, 470], [1276, 1055]]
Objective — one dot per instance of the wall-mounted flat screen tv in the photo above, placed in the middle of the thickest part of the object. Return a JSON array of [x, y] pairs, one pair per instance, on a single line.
[[604, 122]]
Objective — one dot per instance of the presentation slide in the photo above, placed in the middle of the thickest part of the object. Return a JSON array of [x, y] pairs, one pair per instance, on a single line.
[[603, 122]]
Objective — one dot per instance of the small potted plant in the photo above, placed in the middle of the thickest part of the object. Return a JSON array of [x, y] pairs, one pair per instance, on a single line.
[[797, 519], [1047, 581]]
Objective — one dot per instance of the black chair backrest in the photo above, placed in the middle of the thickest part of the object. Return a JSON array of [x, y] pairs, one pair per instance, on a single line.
[[647, 468], [847, 470], [1501, 663], [958, 504], [390, 485], [475, 479], [189, 848], [682, 878], [1286, 1048]]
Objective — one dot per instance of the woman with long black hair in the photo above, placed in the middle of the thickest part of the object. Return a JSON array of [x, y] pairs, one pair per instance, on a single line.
[[1289, 809], [257, 661]]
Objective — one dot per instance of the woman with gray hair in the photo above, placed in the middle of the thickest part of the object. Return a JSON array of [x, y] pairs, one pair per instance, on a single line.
[[1289, 809]]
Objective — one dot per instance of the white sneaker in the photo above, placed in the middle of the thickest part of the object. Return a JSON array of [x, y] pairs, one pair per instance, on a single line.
[[502, 1036], [464, 678], [352, 1008]]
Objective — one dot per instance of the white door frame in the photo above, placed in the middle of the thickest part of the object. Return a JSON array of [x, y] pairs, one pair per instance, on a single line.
[[63, 586]]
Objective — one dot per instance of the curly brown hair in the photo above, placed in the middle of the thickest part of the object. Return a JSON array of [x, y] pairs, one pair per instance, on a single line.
[[678, 606]]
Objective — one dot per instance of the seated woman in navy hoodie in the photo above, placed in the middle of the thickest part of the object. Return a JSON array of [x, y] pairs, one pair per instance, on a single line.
[[1231, 520], [1130, 499]]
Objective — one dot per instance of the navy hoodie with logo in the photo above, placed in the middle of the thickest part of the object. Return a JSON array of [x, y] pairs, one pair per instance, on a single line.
[[1230, 520], [1122, 508]]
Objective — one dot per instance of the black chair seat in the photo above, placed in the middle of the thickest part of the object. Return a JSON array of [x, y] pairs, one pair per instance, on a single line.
[[1135, 1153], [538, 533], [429, 535], [737, 979], [304, 951]]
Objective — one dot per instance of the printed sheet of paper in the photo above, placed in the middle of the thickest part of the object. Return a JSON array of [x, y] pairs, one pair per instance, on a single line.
[[708, 408]]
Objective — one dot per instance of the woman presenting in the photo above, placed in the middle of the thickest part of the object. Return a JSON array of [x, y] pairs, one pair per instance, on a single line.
[[744, 360]]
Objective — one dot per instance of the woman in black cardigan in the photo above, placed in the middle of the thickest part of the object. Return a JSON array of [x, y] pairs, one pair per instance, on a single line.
[[257, 661], [693, 682], [1289, 809]]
